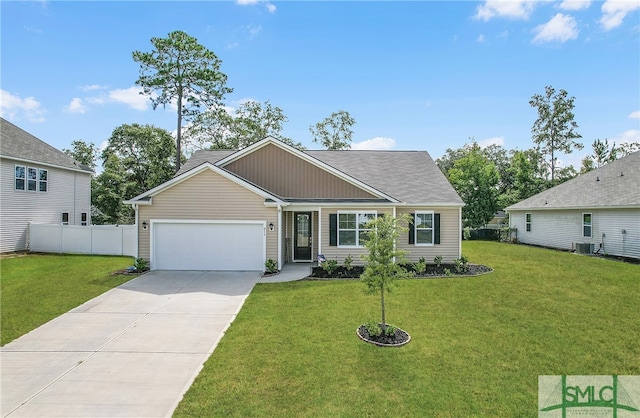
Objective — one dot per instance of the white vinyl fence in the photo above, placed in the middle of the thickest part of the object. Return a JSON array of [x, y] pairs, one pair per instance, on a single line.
[[94, 239]]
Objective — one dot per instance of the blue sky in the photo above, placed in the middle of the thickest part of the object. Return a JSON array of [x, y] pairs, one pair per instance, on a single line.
[[415, 75]]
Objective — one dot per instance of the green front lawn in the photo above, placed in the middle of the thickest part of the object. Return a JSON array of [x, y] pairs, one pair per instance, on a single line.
[[478, 344], [37, 288]]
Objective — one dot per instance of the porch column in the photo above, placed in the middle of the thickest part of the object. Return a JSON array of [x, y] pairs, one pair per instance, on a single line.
[[319, 232], [280, 227]]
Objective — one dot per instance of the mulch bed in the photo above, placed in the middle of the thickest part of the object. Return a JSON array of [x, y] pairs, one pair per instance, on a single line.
[[399, 338], [432, 272]]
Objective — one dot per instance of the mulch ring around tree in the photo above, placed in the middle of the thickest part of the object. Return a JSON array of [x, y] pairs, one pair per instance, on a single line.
[[432, 272], [397, 339]]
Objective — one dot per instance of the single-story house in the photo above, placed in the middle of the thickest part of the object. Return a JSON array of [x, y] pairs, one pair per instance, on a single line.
[[39, 184], [598, 210], [234, 210]]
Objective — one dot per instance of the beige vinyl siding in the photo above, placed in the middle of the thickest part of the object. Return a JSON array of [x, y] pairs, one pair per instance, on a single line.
[[208, 196], [562, 229], [289, 176], [449, 247], [67, 191]]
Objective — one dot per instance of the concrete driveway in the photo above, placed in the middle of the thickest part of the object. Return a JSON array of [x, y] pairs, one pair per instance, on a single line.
[[131, 352]]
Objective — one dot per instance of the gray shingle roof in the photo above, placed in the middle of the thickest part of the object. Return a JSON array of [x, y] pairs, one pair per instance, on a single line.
[[616, 184], [19, 144], [410, 176]]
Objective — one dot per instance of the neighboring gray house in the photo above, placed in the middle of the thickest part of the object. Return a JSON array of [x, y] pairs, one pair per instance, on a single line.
[[232, 210], [39, 184], [601, 207]]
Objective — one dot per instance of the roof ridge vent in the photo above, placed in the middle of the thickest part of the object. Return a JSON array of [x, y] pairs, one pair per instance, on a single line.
[[598, 178], [621, 174]]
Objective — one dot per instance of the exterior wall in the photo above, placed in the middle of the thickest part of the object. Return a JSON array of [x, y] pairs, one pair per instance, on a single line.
[[450, 236], [563, 229], [207, 196], [67, 191], [287, 175]]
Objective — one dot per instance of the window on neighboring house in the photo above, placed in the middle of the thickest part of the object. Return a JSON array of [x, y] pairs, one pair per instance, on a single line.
[[352, 228], [65, 218], [586, 225], [83, 219], [21, 177], [424, 228], [527, 222], [42, 180], [32, 179]]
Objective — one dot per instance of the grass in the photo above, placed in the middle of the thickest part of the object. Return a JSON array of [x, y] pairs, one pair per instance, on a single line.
[[478, 344], [37, 288]]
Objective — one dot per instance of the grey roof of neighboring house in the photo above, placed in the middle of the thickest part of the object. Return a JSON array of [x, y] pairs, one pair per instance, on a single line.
[[616, 184], [409, 176], [21, 145]]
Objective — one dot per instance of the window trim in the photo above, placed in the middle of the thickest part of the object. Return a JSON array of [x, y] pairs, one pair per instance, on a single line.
[[527, 222], [62, 216], [357, 230], [41, 182], [590, 225], [432, 229], [84, 219]]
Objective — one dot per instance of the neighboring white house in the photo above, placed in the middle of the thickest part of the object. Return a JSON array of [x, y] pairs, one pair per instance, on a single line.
[[38, 183], [601, 208]]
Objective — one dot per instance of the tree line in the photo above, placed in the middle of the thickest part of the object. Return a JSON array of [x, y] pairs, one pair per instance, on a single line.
[[492, 178]]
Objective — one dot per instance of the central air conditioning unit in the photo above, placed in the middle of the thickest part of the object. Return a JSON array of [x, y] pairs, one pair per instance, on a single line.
[[584, 248]]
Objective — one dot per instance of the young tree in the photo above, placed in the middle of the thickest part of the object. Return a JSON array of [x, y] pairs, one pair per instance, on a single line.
[[555, 129], [181, 70], [383, 258], [627, 148], [334, 132], [475, 178]]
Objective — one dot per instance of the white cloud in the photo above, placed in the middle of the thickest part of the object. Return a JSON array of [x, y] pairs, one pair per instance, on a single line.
[[614, 12], [635, 115], [480, 39], [377, 143], [632, 135], [270, 7], [496, 140], [560, 28], [93, 87], [76, 106], [575, 4], [253, 30], [130, 97], [15, 107], [512, 9]]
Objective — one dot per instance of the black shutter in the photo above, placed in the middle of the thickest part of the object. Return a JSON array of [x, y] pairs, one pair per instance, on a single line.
[[436, 228], [333, 229], [412, 229]]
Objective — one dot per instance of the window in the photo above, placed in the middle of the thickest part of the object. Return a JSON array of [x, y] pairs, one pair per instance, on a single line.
[[586, 225], [83, 219], [42, 180], [21, 176], [31, 179], [424, 228], [352, 228], [65, 218], [527, 222]]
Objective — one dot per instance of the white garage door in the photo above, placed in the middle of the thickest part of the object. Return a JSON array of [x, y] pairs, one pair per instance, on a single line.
[[207, 246]]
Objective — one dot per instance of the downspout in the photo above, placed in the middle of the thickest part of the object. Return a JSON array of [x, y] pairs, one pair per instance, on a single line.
[[460, 231], [280, 259], [319, 232]]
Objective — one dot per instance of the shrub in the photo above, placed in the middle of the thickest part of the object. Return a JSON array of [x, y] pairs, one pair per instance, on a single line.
[[373, 328], [390, 330], [330, 266], [271, 266], [348, 262], [461, 264], [141, 265], [420, 267], [438, 260]]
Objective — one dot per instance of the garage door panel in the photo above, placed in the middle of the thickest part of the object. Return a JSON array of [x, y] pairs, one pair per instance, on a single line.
[[208, 246]]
